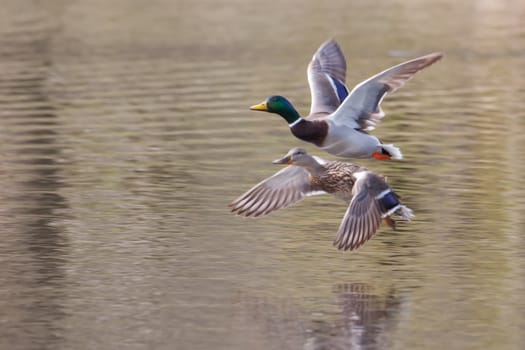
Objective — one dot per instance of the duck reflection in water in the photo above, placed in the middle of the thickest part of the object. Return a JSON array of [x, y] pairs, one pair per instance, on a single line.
[[365, 316], [362, 320]]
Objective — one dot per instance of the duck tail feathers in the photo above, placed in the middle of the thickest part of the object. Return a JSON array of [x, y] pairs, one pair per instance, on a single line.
[[405, 213], [393, 151]]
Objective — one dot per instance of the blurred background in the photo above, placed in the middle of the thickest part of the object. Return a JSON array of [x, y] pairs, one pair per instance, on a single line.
[[125, 132]]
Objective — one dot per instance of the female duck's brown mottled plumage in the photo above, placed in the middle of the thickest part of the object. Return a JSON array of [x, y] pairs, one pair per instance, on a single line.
[[337, 179], [370, 198]]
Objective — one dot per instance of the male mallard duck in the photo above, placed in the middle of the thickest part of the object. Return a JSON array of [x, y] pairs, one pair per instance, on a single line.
[[338, 121], [370, 198]]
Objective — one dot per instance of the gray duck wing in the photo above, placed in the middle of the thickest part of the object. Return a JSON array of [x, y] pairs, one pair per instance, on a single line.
[[326, 78], [365, 211], [362, 109], [284, 188]]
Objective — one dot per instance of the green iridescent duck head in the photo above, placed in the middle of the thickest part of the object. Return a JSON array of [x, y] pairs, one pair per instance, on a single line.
[[278, 105]]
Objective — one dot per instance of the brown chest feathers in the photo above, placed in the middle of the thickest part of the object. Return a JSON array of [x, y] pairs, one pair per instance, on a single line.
[[337, 179], [313, 131]]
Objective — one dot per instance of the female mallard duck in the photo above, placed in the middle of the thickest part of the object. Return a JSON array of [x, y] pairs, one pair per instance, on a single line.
[[370, 198], [339, 121]]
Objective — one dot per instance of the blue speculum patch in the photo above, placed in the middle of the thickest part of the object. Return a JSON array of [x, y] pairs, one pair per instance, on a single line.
[[341, 89], [389, 200]]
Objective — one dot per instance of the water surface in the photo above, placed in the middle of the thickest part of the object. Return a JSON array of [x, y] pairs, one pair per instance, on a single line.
[[124, 134]]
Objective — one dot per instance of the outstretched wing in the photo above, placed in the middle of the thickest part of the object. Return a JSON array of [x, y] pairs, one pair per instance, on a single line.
[[284, 188], [364, 214], [362, 107], [326, 77]]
